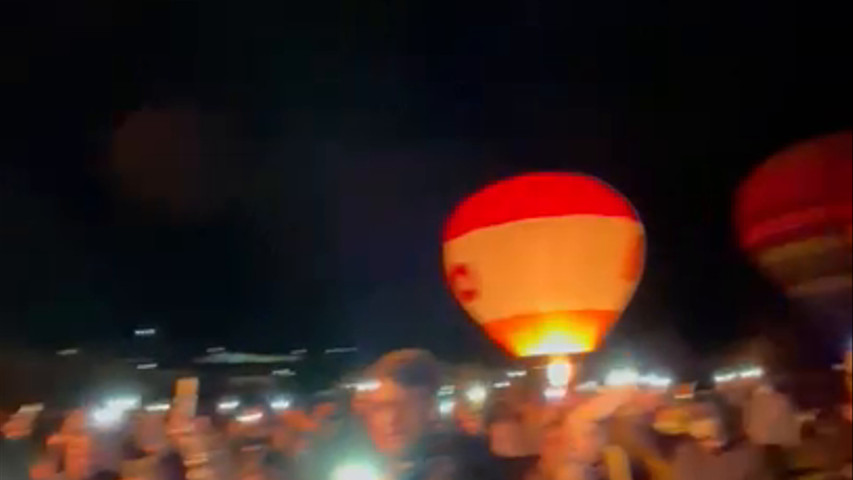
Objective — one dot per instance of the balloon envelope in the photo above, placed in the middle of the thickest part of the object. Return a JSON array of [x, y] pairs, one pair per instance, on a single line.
[[793, 217], [545, 262]]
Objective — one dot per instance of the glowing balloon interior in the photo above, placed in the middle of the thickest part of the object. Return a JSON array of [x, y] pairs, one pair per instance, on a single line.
[[546, 262], [793, 216]]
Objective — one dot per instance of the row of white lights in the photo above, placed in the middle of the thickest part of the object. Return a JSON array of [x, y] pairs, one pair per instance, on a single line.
[[478, 393], [158, 407], [278, 404], [623, 377], [746, 373]]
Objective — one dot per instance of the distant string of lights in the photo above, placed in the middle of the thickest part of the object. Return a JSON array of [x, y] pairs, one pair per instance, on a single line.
[[745, 373]]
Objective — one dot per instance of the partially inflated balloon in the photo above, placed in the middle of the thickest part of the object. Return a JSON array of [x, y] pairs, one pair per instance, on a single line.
[[545, 262], [793, 216]]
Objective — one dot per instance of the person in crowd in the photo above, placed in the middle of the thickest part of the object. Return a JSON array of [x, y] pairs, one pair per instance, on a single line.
[[468, 420], [70, 453], [770, 418], [770, 422], [14, 446], [76, 443], [828, 440], [510, 439], [400, 416], [718, 448], [632, 430], [284, 450], [147, 453], [144, 468], [554, 448], [326, 453], [324, 424], [576, 443]]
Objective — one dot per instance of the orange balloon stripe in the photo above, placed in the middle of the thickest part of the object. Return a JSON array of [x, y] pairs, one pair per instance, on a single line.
[[809, 267], [636, 260], [552, 333]]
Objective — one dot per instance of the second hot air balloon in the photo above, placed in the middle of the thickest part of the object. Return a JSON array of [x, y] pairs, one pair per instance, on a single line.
[[794, 216], [545, 262]]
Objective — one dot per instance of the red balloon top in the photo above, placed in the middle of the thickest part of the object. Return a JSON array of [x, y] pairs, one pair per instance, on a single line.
[[802, 191], [537, 195]]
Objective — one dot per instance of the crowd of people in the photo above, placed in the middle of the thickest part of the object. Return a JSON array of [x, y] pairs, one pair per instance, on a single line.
[[395, 428]]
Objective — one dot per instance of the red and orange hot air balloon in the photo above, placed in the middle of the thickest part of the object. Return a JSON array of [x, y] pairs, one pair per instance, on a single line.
[[545, 262], [793, 217]]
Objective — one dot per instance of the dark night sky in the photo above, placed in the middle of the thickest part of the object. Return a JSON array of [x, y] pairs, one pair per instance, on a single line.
[[335, 138]]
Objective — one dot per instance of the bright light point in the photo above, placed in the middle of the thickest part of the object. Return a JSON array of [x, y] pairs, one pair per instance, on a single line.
[[157, 407], [356, 472], [446, 391], [145, 332], [68, 352], [228, 405], [122, 404], [516, 373], [622, 377], [367, 386], [558, 372], [446, 407], [107, 417], [477, 394], [654, 380], [280, 404], [252, 417], [552, 394], [725, 378], [146, 366], [284, 372], [752, 373], [590, 386], [501, 385]]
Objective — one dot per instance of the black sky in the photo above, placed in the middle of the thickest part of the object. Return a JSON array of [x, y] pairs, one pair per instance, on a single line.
[[336, 137]]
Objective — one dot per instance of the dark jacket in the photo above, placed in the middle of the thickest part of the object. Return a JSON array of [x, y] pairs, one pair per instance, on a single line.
[[740, 461], [454, 457]]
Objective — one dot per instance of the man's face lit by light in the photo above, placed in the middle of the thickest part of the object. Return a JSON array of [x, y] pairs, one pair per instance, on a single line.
[[396, 417]]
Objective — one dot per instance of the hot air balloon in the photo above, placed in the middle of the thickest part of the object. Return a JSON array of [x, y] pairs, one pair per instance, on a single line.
[[545, 262], [793, 217]]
